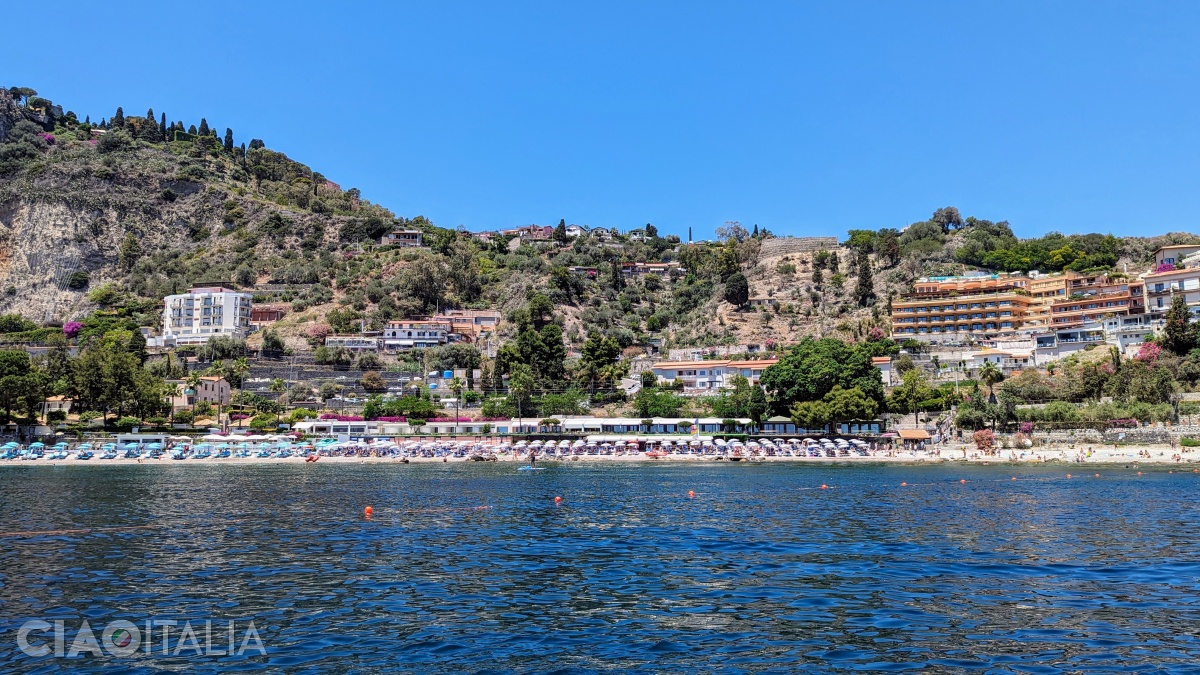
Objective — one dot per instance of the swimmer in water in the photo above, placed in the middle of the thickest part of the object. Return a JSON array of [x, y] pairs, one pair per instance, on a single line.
[[532, 457]]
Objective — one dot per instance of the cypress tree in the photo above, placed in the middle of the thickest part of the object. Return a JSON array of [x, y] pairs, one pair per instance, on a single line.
[[87, 119], [228, 139], [150, 115], [162, 127], [204, 131], [192, 130], [118, 120], [864, 292]]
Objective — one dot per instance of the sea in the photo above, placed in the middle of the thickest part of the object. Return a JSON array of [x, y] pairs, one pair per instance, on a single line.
[[599, 567]]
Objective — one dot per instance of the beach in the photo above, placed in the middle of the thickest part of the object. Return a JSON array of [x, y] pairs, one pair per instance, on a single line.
[[1096, 454]]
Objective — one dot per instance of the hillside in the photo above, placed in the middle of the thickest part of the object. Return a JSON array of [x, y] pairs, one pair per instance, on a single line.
[[116, 215]]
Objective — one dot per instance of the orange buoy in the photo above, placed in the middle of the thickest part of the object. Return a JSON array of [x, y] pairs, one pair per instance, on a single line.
[[963, 480], [691, 493], [903, 484], [558, 500], [368, 511], [824, 487], [1139, 473], [1068, 475], [1097, 475], [1014, 477]]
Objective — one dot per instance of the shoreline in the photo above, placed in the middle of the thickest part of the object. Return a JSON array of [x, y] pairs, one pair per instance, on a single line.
[[1127, 455]]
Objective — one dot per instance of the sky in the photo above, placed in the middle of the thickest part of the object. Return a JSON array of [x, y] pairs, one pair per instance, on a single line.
[[804, 118]]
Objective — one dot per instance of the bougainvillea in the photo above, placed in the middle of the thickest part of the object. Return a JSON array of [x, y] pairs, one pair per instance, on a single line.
[[1164, 267], [72, 328], [1148, 352], [985, 440]]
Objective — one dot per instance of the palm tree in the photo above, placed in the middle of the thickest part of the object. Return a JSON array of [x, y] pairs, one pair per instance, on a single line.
[[239, 370], [989, 374], [193, 383], [456, 386]]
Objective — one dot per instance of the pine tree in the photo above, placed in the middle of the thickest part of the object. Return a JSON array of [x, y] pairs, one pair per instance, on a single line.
[[87, 119], [228, 139], [192, 130], [204, 130], [150, 115], [162, 127], [118, 120], [755, 233]]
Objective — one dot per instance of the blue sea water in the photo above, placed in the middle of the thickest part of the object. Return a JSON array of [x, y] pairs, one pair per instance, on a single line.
[[475, 568]]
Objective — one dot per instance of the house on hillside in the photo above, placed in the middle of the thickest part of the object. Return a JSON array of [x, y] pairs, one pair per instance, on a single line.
[[413, 334], [355, 343], [574, 231], [265, 315], [403, 237]]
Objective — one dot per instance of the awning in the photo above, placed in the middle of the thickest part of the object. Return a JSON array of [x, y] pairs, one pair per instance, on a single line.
[[914, 434]]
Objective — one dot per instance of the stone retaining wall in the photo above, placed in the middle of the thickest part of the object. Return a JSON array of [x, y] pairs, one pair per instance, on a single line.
[[785, 245]]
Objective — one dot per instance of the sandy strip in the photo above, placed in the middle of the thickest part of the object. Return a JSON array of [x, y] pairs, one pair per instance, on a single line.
[[1144, 454]]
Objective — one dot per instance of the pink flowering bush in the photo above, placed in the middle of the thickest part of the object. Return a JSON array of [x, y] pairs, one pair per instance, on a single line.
[[1026, 428], [448, 419], [72, 328], [239, 416], [1165, 267], [399, 420], [49, 138], [875, 334], [1148, 352], [341, 418]]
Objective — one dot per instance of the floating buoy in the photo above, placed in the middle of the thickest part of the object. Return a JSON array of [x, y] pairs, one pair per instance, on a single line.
[[904, 485], [1139, 473], [824, 487], [1068, 475], [963, 480], [691, 493], [558, 500], [368, 511], [1097, 475], [1014, 477]]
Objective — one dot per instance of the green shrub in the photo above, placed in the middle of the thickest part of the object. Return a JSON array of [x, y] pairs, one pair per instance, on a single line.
[[1189, 442]]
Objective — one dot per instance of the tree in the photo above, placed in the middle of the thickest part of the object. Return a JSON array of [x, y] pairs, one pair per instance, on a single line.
[[732, 230], [130, 251], [810, 415], [560, 232], [203, 130], [228, 139], [656, 403], [238, 371], [990, 375], [757, 408], [864, 290], [373, 381], [887, 245], [649, 379], [456, 386], [118, 120], [162, 127], [946, 218], [1179, 333], [598, 360], [737, 290], [520, 384], [849, 404], [272, 342], [811, 369]]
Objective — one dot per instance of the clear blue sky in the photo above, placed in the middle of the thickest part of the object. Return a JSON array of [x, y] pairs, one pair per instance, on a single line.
[[806, 118]]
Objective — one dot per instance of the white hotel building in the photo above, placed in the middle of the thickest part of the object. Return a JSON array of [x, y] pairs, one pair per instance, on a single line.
[[195, 316]]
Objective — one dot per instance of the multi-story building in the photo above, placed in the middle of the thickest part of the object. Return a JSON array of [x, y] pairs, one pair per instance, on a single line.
[[637, 269], [412, 334], [1099, 297], [202, 312], [1162, 287], [960, 315]]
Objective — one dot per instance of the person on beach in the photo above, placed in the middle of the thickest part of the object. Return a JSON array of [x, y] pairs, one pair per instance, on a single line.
[[532, 457]]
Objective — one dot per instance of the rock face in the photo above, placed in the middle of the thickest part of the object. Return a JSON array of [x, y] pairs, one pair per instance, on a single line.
[[41, 245]]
